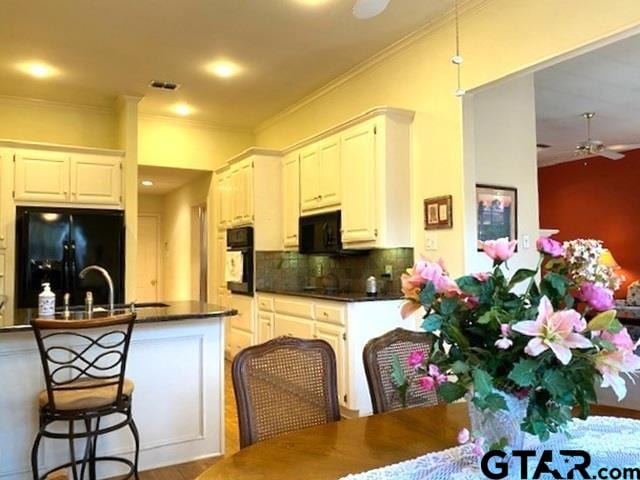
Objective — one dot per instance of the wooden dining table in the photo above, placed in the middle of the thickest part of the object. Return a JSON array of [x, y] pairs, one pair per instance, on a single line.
[[356, 445]]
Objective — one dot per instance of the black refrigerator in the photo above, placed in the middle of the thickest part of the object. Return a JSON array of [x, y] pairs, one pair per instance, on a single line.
[[54, 244]]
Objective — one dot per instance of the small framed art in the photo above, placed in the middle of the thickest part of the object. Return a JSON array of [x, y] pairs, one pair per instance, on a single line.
[[437, 212]]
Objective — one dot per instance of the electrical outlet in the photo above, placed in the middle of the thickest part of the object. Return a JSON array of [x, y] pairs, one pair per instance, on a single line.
[[388, 270], [430, 242]]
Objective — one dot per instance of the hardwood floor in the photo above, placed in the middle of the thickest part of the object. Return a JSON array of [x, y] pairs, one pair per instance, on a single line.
[[189, 471]]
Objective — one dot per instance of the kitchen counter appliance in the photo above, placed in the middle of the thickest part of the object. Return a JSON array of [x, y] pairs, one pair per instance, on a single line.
[[239, 260]]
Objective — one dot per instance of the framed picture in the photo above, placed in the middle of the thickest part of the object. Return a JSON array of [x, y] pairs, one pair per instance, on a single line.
[[497, 214], [437, 213]]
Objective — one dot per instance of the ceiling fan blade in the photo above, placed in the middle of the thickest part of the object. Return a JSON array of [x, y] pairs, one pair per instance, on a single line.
[[623, 147], [365, 9], [610, 154]]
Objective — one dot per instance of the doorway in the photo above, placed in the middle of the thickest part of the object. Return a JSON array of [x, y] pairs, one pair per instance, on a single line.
[[148, 287]]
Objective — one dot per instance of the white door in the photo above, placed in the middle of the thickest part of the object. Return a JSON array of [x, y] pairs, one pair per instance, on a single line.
[[309, 179], [41, 176], [359, 193], [265, 326], [330, 172], [147, 288], [290, 199], [96, 179], [335, 336]]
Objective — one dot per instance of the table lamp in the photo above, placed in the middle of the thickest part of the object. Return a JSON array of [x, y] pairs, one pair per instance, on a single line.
[[606, 259]]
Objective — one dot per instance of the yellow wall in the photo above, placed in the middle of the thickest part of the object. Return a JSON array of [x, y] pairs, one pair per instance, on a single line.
[[181, 144], [498, 38], [176, 233], [57, 123]]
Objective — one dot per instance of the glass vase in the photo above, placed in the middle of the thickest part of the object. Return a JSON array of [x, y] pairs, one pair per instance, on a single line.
[[502, 426]]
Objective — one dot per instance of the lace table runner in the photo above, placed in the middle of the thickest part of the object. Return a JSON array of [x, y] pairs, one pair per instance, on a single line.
[[612, 443]]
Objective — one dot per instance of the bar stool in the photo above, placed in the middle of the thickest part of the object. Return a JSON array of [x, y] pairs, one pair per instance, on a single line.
[[85, 378]]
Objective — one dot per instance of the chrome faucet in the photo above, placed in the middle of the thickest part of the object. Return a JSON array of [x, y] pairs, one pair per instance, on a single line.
[[106, 276]]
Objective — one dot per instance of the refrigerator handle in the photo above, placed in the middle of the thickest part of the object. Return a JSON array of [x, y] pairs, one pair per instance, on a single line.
[[65, 266], [72, 266]]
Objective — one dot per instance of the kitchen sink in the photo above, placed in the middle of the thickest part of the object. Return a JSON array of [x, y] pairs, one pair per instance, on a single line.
[[117, 306]]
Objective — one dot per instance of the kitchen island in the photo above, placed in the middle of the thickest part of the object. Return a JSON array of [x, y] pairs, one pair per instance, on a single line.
[[176, 363]]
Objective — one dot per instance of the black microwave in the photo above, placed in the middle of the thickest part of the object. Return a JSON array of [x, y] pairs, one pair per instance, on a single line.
[[320, 234]]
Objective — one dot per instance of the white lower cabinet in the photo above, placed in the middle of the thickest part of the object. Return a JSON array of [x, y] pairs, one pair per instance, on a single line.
[[346, 326], [336, 336], [266, 323], [289, 326]]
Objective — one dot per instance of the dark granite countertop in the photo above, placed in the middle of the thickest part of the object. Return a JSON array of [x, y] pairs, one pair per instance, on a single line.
[[146, 313], [336, 296]]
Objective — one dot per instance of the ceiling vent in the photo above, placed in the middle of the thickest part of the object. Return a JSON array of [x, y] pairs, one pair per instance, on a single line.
[[542, 146], [164, 85]]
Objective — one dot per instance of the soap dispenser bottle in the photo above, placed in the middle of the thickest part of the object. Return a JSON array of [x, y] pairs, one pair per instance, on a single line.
[[46, 302]]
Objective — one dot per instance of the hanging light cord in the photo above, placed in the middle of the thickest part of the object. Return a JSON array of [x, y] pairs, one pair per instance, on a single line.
[[457, 59]]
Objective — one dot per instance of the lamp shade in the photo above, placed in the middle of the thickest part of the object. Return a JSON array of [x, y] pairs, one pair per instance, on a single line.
[[606, 259]]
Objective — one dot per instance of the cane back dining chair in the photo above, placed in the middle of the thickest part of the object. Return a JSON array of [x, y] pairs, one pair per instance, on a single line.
[[378, 356], [84, 364], [283, 385]]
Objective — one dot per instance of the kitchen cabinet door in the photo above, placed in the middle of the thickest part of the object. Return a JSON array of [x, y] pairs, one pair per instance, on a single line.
[[96, 179], [246, 178], [41, 176], [310, 179], [335, 336], [290, 199], [289, 326], [266, 322], [329, 178], [219, 255], [359, 192]]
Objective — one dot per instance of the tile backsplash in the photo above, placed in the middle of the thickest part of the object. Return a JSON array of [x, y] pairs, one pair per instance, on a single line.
[[293, 271]]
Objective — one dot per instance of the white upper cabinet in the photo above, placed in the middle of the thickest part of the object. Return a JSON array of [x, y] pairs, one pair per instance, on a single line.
[[96, 179], [59, 177], [320, 176], [222, 199], [290, 199], [241, 198], [358, 148], [42, 176]]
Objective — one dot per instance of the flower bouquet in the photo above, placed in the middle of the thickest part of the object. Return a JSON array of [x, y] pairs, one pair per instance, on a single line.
[[524, 349]]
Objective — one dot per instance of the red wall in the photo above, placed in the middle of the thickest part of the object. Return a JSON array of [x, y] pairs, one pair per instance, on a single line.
[[596, 198]]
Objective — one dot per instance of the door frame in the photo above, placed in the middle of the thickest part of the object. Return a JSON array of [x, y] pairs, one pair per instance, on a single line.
[[159, 253]]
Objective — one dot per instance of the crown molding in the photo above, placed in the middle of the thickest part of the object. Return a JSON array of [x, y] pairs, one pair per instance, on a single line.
[[193, 123], [59, 147], [37, 102], [398, 113], [465, 8]]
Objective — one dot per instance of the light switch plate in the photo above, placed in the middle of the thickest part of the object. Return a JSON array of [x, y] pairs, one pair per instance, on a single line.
[[388, 269], [526, 242], [430, 241]]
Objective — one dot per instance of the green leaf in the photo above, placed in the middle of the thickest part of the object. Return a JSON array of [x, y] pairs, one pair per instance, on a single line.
[[555, 383], [428, 293], [569, 301], [495, 402], [469, 285], [450, 392], [499, 445], [602, 321], [615, 326], [448, 306], [482, 382], [520, 276], [554, 285], [432, 323], [523, 373], [397, 372], [459, 367]]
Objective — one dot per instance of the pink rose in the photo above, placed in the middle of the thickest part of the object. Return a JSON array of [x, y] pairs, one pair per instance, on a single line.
[[481, 276], [463, 436], [426, 383], [477, 450], [415, 358], [549, 246], [501, 249], [471, 302], [597, 297]]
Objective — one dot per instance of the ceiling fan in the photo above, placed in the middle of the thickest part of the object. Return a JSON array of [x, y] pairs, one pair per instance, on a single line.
[[365, 9], [596, 147]]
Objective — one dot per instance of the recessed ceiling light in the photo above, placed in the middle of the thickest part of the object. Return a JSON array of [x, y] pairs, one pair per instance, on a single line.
[[38, 69], [312, 3], [182, 109], [224, 68], [146, 183]]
